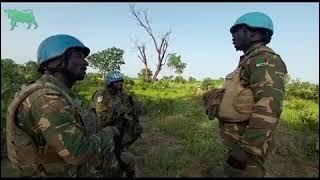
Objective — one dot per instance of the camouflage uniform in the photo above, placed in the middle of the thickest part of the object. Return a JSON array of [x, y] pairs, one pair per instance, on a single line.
[[263, 72], [65, 146], [115, 110]]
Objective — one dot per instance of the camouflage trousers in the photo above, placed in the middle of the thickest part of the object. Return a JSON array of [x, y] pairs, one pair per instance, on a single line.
[[109, 166], [53, 169], [231, 133]]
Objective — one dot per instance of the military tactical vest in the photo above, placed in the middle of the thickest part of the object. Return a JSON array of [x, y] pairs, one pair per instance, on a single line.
[[22, 150], [237, 101], [125, 115]]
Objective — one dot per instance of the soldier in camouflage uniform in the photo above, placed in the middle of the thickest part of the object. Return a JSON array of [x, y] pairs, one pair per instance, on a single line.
[[49, 133], [115, 107], [249, 104]]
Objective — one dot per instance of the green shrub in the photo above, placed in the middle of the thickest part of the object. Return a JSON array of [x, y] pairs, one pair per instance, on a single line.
[[179, 79], [192, 79], [304, 90], [301, 114]]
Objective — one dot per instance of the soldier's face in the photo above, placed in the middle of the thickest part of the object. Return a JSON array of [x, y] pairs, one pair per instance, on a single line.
[[118, 86], [77, 65], [240, 38]]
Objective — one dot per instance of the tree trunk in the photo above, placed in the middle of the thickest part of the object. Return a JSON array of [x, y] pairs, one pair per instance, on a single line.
[[146, 75], [160, 46], [154, 78], [103, 76]]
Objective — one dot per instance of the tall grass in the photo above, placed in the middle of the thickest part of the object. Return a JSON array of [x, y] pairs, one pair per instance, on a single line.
[[300, 114], [177, 110]]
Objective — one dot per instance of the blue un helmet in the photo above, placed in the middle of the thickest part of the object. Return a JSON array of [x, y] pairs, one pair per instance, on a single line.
[[254, 20], [113, 76], [57, 45]]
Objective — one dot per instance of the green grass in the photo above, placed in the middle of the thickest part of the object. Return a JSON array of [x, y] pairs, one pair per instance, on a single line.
[[182, 116], [177, 111], [300, 114], [166, 163]]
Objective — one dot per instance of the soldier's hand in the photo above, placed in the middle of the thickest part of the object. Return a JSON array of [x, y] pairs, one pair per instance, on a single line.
[[116, 134], [211, 101], [238, 158], [117, 141]]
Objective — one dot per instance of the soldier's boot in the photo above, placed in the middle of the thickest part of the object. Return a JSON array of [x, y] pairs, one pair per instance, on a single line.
[[253, 169], [127, 164]]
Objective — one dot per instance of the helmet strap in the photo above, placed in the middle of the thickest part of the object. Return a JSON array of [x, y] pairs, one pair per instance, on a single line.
[[65, 62]]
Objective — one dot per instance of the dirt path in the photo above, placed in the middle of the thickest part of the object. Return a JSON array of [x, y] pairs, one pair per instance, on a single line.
[[284, 160], [281, 163]]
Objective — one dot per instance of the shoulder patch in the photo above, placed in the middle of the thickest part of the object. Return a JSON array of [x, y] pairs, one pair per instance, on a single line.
[[53, 92], [261, 62], [99, 99]]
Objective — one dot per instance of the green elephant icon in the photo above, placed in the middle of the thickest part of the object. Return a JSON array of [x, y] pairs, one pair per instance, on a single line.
[[24, 16]]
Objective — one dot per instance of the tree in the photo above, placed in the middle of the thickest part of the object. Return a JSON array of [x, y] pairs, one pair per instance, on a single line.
[[143, 57], [161, 46], [192, 79], [30, 71], [167, 78], [11, 79], [207, 84], [107, 60], [287, 79], [179, 79], [142, 73], [175, 62], [10, 73]]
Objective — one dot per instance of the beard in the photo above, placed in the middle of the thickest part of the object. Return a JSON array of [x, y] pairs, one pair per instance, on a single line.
[[74, 77], [241, 46]]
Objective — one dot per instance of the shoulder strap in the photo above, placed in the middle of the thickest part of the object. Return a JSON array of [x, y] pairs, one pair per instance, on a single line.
[[261, 49], [94, 94], [11, 116], [64, 93], [18, 99], [103, 90]]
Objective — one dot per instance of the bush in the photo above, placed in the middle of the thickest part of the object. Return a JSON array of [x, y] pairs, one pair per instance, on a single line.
[[304, 90], [141, 75], [301, 114], [310, 119], [94, 77], [209, 83], [179, 79], [167, 78], [192, 79], [142, 84], [160, 85], [128, 83]]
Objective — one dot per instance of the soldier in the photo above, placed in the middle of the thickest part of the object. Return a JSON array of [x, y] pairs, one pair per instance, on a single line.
[[49, 133], [115, 107], [249, 104]]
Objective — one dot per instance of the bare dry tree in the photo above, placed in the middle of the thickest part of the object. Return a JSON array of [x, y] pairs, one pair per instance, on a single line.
[[143, 57], [161, 46]]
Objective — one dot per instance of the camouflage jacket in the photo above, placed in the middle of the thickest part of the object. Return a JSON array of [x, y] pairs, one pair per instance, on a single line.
[[264, 73], [47, 116], [117, 110]]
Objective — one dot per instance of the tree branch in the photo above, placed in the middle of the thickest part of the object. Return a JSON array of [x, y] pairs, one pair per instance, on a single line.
[[145, 25]]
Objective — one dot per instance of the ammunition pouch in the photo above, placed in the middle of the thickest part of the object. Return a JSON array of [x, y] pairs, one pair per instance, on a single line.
[[212, 100]]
